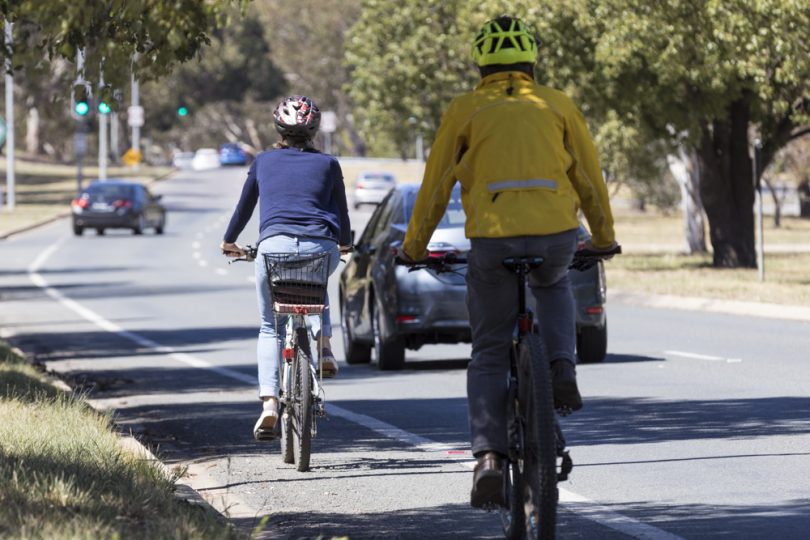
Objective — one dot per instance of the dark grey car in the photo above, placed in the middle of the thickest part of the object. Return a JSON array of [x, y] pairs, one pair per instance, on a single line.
[[386, 309], [116, 204]]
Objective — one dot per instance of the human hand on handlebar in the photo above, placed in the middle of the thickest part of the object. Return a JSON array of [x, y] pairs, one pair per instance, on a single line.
[[605, 253], [346, 249], [230, 249]]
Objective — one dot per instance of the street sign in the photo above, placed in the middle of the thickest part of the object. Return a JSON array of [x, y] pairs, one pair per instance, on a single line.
[[328, 121], [135, 116], [132, 157]]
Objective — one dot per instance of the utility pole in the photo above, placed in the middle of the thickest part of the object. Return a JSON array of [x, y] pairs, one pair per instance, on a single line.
[[103, 118], [10, 202], [760, 228], [136, 128]]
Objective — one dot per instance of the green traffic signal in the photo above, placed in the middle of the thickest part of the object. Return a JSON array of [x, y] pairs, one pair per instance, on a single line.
[[182, 111], [103, 108], [82, 108]]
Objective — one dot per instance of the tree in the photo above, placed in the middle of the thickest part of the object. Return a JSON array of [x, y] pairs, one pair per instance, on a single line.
[[407, 59], [699, 73], [164, 33]]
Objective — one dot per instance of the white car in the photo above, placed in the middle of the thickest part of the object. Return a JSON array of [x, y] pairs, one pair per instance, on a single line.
[[371, 187], [205, 158], [182, 160]]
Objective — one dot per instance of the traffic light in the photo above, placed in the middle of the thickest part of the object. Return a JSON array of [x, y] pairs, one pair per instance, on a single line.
[[108, 99], [182, 111], [81, 99]]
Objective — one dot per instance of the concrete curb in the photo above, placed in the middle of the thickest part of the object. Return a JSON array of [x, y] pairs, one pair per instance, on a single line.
[[56, 217], [183, 491], [732, 307]]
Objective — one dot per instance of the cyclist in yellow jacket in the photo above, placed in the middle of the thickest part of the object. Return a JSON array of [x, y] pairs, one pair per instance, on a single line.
[[527, 165]]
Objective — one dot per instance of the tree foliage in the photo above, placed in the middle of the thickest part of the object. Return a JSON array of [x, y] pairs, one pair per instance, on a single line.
[[163, 33]]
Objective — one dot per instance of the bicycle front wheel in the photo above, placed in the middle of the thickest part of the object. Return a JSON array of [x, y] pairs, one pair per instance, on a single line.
[[539, 454], [302, 403]]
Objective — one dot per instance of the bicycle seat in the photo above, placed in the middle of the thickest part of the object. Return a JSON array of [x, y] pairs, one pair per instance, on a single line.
[[528, 263]]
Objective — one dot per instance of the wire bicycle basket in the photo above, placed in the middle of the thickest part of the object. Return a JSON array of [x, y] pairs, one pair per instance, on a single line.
[[297, 282]]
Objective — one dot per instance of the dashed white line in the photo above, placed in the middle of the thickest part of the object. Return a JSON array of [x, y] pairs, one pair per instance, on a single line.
[[707, 357]]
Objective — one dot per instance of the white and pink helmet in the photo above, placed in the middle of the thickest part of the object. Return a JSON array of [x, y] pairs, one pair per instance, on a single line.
[[297, 117]]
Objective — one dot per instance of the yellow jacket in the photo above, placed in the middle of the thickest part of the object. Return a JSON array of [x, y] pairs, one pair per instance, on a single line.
[[525, 161]]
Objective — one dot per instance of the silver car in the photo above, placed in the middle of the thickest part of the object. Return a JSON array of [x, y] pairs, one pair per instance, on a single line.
[[371, 187], [385, 308]]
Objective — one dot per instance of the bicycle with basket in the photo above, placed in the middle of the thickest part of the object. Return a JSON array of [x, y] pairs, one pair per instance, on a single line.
[[298, 287]]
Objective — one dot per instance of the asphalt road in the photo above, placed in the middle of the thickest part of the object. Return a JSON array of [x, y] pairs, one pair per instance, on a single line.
[[696, 426]]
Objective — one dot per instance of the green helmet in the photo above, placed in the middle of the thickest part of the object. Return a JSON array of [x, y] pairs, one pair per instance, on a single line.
[[504, 40]]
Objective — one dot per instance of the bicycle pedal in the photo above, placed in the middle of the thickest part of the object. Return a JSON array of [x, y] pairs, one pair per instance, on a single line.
[[265, 435], [319, 410]]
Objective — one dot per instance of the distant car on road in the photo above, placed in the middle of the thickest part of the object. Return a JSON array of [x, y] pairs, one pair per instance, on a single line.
[[232, 154], [371, 187], [116, 204], [205, 158], [386, 309], [182, 160]]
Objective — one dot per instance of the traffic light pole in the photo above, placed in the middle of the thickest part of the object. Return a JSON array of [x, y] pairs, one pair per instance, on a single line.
[[10, 187], [102, 133], [135, 102]]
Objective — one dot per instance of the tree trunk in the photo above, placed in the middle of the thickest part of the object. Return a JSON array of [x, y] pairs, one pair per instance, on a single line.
[[685, 169], [727, 187], [32, 132]]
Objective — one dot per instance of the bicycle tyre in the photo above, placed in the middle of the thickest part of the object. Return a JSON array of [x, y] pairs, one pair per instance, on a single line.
[[286, 439], [302, 403], [540, 439], [513, 518]]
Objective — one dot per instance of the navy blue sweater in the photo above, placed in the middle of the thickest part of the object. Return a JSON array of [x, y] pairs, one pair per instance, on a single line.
[[300, 193]]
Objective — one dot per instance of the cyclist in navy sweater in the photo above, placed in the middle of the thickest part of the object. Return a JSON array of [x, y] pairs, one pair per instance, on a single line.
[[302, 210]]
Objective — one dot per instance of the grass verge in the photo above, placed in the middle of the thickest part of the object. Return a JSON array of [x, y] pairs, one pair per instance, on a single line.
[[653, 262], [63, 473]]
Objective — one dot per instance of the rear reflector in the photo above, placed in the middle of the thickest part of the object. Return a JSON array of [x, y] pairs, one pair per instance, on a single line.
[[594, 310], [287, 354], [406, 318]]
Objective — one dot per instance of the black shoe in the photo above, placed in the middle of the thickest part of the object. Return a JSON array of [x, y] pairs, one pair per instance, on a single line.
[[487, 482], [564, 382]]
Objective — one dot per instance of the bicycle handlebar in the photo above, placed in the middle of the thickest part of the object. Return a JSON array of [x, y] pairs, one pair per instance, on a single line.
[[250, 255], [583, 260]]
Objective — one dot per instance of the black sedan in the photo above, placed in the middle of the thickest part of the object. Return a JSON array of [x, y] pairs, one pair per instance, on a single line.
[[116, 204], [387, 309]]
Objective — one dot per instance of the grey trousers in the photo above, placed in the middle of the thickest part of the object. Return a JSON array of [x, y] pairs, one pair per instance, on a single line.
[[492, 299]]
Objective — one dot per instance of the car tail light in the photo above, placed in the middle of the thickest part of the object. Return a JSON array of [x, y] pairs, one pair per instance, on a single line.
[[81, 203], [287, 353], [439, 250], [406, 318], [360, 185], [594, 310], [122, 203]]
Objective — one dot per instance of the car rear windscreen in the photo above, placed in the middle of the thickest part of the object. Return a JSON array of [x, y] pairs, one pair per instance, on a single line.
[[453, 217], [110, 192]]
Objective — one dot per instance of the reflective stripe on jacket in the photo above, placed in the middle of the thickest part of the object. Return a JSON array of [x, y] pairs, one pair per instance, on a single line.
[[525, 160]]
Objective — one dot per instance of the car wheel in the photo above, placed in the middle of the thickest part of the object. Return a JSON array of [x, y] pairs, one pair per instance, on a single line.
[[100, 231], [161, 226], [77, 230], [390, 352], [139, 226], [356, 353], [592, 344]]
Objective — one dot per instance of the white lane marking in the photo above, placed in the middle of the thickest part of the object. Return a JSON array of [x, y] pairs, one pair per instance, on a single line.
[[580, 505], [221, 272], [196, 244], [196, 255], [697, 356], [251, 279], [202, 263]]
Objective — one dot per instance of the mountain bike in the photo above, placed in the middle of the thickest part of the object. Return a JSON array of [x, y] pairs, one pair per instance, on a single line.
[[537, 458], [298, 288]]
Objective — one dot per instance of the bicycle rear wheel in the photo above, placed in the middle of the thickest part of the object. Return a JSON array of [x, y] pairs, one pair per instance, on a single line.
[[302, 403], [540, 452]]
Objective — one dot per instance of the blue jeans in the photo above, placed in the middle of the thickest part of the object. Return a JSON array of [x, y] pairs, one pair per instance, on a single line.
[[270, 338], [492, 303]]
